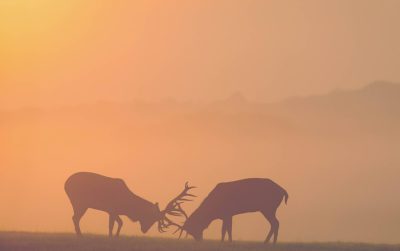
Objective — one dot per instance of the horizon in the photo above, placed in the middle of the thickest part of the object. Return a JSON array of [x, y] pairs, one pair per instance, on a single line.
[[234, 94]]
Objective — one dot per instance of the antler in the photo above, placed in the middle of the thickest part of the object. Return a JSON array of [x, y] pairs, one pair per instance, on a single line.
[[165, 223], [174, 208]]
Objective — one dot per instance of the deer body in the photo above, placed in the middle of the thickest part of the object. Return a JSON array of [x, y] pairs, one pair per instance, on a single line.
[[237, 197], [89, 190]]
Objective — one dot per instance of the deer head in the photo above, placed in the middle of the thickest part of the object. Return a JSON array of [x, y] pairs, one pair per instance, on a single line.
[[174, 208]]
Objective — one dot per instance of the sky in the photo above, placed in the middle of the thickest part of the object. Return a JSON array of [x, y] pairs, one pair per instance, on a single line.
[[69, 56], [69, 52]]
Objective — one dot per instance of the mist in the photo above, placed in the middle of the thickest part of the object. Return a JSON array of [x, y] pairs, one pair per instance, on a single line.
[[160, 93]]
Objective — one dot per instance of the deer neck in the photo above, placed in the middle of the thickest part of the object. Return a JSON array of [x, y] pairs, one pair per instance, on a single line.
[[138, 208], [200, 219]]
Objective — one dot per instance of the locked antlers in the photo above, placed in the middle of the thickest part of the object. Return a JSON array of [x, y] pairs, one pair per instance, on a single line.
[[174, 208]]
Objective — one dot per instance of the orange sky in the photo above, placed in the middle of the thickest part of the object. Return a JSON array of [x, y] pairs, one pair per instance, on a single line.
[[82, 51], [74, 52]]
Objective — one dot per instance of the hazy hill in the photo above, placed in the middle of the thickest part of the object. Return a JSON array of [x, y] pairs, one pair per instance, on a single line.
[[374, 107]]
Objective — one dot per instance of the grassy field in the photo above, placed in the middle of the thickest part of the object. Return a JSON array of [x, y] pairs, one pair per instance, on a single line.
[[16, 241]]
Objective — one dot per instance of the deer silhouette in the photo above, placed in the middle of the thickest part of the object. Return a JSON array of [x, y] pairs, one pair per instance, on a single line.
[[237, 197], [89, 190]]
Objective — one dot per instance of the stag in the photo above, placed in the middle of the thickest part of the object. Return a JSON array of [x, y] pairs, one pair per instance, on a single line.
[[89, 190], [237, 197]]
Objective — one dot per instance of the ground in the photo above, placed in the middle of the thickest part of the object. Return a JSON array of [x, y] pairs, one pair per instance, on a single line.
[[18, 241]]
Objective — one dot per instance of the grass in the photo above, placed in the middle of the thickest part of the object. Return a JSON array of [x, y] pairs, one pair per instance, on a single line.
[[21, 241]]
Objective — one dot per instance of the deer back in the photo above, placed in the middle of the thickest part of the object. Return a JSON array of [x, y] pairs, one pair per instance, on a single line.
[[241, 196], [90, 190]]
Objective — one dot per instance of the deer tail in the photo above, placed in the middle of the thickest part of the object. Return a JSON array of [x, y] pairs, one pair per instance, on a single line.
[[286, 196]]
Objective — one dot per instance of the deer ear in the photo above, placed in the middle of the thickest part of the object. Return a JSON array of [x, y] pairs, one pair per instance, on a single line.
[[157, 205]]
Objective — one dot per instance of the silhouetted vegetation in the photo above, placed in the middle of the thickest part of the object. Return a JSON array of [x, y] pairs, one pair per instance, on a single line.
[[12, 241]]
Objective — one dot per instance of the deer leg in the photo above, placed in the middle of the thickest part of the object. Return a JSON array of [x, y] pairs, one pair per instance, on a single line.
[[223, 232], [78, 213], [120, 223], [270, 218], [276, 224], [111, 221], [229, 228]]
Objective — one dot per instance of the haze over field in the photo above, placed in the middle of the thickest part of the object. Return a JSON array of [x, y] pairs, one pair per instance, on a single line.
[[159, 93], [336, 154]]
